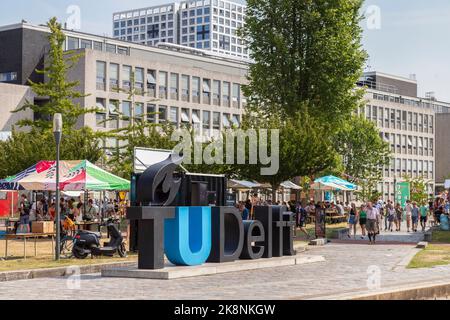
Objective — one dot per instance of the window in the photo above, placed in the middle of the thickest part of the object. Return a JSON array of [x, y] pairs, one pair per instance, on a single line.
[[100, 119], [113, 121], [236, 95], [113, 107], [185, 116], [139, 80], [185, 88], [174, 115], [126, 77], [72, 43], [206, 120], [86, 44], [196, 120], [123, 50], [216, 120], [216, 93], [126, 113], [98, 46], [162, 85], [162, 114], [206, 91], [100, 104], [139, 111], [196, 89], [110, 48], [425, 123], [113, 77], [431, 153], [151, 110], [226, 120], [420, 122], [151, 83], [174, 86], [101, 75], [420, 146], [8, 76], [415, 120], [226, 94], [236, 121], [431, 124]]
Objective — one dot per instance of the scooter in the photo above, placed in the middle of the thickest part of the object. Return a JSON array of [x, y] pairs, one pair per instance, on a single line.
[[88, 243]]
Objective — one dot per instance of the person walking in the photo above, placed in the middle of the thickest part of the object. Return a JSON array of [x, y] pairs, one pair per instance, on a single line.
[[415, 216], [392, 216], [408, 209], [352, 220], [373, 216], [363, 221], [423, 216], [399, 213]]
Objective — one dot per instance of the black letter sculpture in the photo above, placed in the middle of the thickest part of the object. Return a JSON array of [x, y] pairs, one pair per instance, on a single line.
[[156, 186]]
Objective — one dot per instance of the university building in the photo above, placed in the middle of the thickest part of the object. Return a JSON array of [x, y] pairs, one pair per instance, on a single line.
[[178, 85], [408, 123], [209, 25]]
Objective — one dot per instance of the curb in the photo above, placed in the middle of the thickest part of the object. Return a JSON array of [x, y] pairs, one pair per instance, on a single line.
[[58, 272], [426, 291]]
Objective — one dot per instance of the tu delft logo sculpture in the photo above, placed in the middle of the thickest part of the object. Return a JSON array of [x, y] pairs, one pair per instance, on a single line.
[[191, 236]]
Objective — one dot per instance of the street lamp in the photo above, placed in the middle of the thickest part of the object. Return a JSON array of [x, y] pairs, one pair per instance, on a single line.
[[57, 132]]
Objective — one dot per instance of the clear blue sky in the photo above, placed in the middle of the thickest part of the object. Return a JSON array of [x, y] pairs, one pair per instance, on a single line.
[[413, 37]]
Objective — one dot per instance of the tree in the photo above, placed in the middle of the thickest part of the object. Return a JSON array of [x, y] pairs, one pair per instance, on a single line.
[[304, 149], [309, 60], [60, 93], [418, 187], [363, 152], [24, 149]]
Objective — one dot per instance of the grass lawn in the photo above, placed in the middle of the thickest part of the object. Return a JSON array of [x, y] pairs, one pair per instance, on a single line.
[[441, 236], [436, 254], [44, 259], [433, 255], [48, 262]]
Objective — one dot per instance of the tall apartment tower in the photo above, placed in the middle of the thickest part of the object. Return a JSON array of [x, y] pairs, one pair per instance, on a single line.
[[209, 25]]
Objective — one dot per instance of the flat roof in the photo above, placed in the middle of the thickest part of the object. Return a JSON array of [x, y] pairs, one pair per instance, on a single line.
[[391, 76], [180, 51]]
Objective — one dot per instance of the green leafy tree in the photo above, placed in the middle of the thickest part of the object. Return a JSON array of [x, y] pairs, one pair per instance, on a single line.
[[363, 152], [418, 187], [303, 149], [25, 149], [308, 56]]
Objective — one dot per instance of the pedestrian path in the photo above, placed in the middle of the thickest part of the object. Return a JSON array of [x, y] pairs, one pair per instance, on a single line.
[[392, 236], [347, 269]]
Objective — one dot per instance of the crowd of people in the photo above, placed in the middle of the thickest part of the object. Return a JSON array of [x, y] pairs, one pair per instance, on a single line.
[[45, 209], [371, 217]]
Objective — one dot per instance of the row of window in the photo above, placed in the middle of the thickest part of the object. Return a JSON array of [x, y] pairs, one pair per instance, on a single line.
[[165, 85], [144, 21], [415, 103], [399, 119], [114, 114], [152, 30], [149, 11], [77, 43], [221, 4], [407, 144], [411, 167]]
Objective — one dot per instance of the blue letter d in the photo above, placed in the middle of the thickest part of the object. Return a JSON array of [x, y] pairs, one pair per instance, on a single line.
[[188, 237]]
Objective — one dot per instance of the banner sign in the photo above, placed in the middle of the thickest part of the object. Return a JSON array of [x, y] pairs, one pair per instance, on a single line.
[[402, 193]]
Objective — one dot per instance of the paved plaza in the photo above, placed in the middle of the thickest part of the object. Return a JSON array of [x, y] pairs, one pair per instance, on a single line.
[[348, 268]]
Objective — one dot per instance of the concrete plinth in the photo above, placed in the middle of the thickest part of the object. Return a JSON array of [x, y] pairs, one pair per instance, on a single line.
[[175, 272]]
